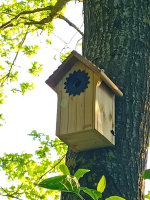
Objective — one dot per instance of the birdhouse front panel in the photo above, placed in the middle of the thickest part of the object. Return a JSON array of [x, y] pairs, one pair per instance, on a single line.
[[79, 120], [72, 108]]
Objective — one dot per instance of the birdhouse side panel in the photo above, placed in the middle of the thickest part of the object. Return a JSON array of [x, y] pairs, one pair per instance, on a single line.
[[62, 108], [97, 114], [58, 89], [104, 111], [113, 116]]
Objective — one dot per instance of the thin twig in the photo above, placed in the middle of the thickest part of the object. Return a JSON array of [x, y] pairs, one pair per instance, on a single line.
[[70, 23], [3, 195], [51, 169], [69, 41], [8, 195], [77, 43], [20, 45], [59, 38]]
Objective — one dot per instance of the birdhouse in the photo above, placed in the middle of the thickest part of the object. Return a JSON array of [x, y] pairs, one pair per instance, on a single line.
[[86, 104]]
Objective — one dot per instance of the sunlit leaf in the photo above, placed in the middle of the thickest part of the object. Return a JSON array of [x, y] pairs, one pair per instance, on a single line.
[[80, 172], [102, 184], [115, 198], [64, 169], [146, 174], [63, 183], [93, 193]]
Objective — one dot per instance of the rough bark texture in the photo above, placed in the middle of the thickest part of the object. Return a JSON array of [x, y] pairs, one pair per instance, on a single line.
[[117, 40]]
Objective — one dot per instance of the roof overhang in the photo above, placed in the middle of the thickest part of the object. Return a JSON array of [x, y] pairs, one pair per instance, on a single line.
[[58, 74]]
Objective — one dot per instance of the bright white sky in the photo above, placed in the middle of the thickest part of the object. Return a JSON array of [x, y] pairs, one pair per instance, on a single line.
[[36, 110]]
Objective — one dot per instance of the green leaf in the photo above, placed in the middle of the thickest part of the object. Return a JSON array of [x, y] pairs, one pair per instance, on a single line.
[[1, 116], [64, 169], [148, 195], [63, 183], [48, 41], [91, 192], [64, 56], [80, 172], [102, 184], [25, 87], [36, 69], [146, 174], [115, 198]]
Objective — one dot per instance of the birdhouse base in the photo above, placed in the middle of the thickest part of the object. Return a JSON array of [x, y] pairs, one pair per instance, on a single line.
[[81, 141]]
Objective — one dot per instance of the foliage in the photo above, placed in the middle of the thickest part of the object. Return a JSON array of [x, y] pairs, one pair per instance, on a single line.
[[25, 171], [146, 175], [64, 56], [69, 183], [19, 21], [115, 198]]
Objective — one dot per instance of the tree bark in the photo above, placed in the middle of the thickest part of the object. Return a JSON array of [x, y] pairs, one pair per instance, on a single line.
[[117, 40]]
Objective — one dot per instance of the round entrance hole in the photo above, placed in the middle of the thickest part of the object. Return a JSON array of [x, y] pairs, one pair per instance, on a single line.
[[76, 82]]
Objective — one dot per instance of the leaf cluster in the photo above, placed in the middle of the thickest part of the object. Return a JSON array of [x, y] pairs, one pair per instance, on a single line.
[[19, 21], [24, 171], [69, 183]]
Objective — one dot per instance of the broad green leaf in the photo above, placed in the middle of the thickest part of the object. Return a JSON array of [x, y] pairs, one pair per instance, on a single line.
[[91, 192], [63, 183], [115, 198], [80, 172], [102, 184], [64, 169], [146, 174]]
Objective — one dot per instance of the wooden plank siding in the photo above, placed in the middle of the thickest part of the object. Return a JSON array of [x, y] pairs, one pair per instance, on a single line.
[[104, 113], [72, 120], [59, 97], [89, 94], [84, 121], [80, 103]]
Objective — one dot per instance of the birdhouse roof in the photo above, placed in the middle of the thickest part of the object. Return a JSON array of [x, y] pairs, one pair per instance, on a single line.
[[70, 61]]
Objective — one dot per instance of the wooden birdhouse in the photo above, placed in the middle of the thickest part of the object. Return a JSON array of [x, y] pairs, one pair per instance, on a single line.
[[86, 104]]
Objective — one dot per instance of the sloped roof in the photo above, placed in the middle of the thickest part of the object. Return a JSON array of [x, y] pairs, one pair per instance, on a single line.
[[58, 74]]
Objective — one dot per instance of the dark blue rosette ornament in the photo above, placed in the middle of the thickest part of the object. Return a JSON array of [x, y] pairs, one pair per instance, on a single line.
[[77, 82]]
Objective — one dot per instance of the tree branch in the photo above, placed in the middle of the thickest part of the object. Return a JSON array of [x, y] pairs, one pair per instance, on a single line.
[[8, 195], [70, 23], [20, 45], [25, 13], [54, 14]]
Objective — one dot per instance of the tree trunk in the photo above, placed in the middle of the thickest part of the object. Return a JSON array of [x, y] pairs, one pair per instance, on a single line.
[[117, 39]]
